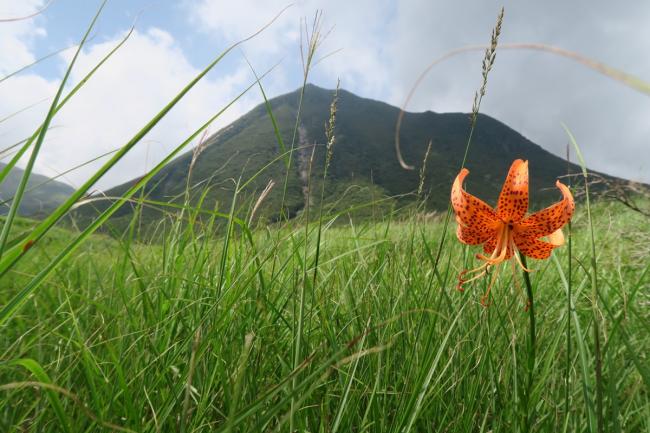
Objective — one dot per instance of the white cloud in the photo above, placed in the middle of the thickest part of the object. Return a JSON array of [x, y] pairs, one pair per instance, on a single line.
[[385, 45], [358, 32], [127, 91], [237, 20], [17, 37]]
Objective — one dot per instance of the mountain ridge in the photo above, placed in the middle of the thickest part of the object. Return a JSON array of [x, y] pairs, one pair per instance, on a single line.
[[42, 194], [363, 159]]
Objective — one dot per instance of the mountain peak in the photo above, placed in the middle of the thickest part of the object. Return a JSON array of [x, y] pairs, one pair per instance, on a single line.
[[363, 166]]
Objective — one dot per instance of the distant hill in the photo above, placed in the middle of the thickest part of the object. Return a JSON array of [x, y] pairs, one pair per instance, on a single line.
[[42, 195], [363, 167]]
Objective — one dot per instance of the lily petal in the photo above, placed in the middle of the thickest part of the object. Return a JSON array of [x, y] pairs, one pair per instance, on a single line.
[[548, 220], [556, 238], [513, 200], [471, 212], [471, 237], [533, 248]]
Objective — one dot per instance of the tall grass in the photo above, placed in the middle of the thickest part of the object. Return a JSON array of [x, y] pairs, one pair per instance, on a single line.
[[10, 256], [117, 328], [321, 323]]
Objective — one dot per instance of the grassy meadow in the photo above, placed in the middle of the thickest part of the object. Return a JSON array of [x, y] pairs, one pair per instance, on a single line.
[[238, 333], [326, 322]]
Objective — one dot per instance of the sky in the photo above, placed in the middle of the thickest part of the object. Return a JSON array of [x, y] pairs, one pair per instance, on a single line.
[[377, 48]]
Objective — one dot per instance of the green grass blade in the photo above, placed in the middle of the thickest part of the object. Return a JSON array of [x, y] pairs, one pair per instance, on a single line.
[[424, 386], [21, 297], [5, 171], [582, 351], [34, 63], [269, 111], [40, 374], [39, 140], [594, 287], [10, 258]]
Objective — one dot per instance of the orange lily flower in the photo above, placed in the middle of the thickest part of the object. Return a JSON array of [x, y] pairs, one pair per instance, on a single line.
[[507, 228]]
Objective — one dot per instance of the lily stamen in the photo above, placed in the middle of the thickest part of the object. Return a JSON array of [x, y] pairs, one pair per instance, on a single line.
[[486, 296], [521, 265]]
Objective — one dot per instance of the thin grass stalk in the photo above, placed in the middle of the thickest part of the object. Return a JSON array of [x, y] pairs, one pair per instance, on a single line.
[[16, 113], [185, 413], [567, 377], [423, 170], [331, 140], [488, 61], [227, 239], [35, 62], [569, 303], [313, 41], [269, 111], [529, 411], [239, 379], [6, 152], [303, 289], [62, 174], [594, 290], [582, 351], [348, 385]]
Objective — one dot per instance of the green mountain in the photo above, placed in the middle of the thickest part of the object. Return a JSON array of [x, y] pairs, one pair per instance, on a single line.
[[41, 196], [363, 167]]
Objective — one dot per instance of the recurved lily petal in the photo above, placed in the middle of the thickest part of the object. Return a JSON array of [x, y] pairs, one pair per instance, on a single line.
[[533, 248], [471, 212], [513, 200], [471, 237], [556, 238], [547, 221]]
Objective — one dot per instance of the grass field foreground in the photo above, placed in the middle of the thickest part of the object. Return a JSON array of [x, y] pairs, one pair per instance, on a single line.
[[155, 337]]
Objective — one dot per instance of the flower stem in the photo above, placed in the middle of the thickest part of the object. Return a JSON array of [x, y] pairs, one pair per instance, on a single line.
[[529, 418]]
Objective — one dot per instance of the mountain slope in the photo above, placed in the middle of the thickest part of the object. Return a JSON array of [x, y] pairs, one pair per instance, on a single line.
[[363, 165], [41, 196]]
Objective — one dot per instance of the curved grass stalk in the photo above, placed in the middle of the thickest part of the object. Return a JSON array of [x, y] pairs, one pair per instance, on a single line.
[[51, 388], [34, 63], [26, 17], [39, 373], [616, 74]]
